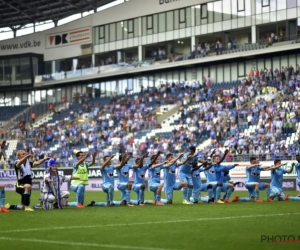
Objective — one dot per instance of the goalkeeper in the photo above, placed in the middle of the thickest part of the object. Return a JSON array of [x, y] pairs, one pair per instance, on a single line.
[[53, 196]]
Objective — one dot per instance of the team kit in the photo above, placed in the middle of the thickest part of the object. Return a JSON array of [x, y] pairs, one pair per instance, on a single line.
[[219, 186]]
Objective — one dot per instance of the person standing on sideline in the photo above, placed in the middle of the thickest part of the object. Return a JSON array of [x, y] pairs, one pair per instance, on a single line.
[[80, 170]]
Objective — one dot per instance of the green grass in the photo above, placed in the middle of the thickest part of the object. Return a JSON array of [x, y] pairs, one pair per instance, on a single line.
[[177, 226]]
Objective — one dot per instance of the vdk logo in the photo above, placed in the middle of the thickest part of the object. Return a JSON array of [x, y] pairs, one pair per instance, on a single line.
[[58, 39]]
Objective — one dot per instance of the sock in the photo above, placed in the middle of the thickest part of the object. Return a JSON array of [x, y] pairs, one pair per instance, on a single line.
[[111, 194], [281, 197], [228, 193], [158, 198], [2, 197], [204, 199], [80, 192], [141, 196], [189, 195], [72, 204], [15, 207], [134, 202], [218, 193], [196, 196], [268, 191], [127, 196], [210, 193], [78, 195], [164, 201], [185, 193], [26, 196], [294, 198], [244, 199], [100, 204], [256, 192]]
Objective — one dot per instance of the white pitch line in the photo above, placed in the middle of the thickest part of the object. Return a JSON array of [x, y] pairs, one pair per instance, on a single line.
[[82, 244], [146, 223]]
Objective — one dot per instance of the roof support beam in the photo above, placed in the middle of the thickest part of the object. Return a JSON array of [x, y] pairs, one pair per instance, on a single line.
[[15, 8]]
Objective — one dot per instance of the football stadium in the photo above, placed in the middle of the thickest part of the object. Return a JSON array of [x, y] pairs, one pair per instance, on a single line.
[[150, 124]]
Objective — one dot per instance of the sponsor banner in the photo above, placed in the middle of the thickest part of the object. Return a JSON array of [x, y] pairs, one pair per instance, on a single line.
[[96, 185], [66, 38]]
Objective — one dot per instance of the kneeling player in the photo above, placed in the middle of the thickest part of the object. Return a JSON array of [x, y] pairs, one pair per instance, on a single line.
[[53, 195], [276, 180], [170, 183]]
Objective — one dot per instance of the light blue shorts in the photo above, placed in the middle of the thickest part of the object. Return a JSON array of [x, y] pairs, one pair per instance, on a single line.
[[187, 178], [137, 187], [106, 187], [169, 191]]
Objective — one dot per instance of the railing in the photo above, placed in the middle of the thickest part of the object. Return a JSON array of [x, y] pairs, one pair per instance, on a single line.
[[138, 64]]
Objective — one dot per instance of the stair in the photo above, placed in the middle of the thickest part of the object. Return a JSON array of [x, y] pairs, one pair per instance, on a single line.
[[11, 146]]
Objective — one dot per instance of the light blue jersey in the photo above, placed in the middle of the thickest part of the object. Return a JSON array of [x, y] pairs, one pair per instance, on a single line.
[[187, 167], [297, 167], [154, 175], [226, 178], [277, 177], [108, 175], [220, 172], [211, 175], [139, 174], [170, 176], [123, 173], [253, 174]]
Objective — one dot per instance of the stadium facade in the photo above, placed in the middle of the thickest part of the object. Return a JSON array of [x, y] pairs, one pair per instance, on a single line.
[[149, 42]]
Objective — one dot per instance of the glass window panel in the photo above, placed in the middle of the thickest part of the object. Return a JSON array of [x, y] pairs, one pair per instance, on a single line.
[[96, 35], [265, 9], [213, 73], [149, 22], [101, 32], [112, 32], [284, 61], [298, 2], [144, 26], [273, 6], [161, 22], [234, 9], [188, 17], [241, 69], [15, 70], [241, 5], [120, 30], [25, 70], [136, 27], [170, 21], [234, 72], [258, 6], [281, 4], [248, 8], [291, 3], [226, 9], [130, 26], [197, 15], [210, 10], [176, 19], [292, 61], [182, 15], [125, 29], [204, 11], [267, 2], [217, 11], [155, 24], [106, 36]]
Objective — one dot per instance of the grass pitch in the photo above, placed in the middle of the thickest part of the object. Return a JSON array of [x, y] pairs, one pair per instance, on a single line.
[[171, 227]]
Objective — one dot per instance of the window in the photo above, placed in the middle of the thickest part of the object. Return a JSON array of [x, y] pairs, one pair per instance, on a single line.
[[241, 5], [101, 32], [149, 23], [217, 11], [266, 3], [291, 3], [112, 32], [130, 26], [182, 15], [204, 11], [170, 21], [120, 26], [162, 22]]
